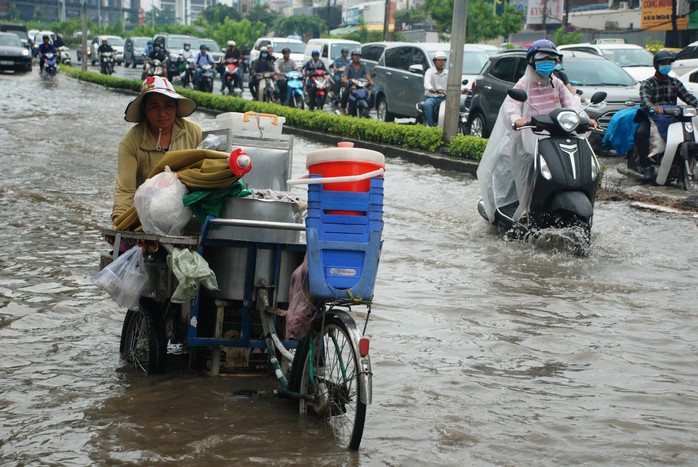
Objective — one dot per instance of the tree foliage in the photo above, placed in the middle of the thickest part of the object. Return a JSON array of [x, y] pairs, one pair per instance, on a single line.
[[482, 23], [563, 37], [301, 25], [410, 17], [263, 14], [242, 32], [218, 13]]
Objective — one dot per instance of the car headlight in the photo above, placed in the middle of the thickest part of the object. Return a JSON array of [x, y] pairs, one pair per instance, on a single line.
[[25, 52], [544, 169], [568, 121]]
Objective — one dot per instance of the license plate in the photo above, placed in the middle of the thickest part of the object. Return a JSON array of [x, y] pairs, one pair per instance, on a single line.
[[6, 62]]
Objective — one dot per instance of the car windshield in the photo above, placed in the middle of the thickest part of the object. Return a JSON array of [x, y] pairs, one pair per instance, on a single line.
[[595, 72], [212, 45], [140, 42], [629, 57], [176, 43], [115, 40], [296, 47], [10, 39], [473, 61]]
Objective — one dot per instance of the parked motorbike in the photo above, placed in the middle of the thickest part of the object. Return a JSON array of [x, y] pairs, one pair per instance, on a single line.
[[677, 162], [106, 63], [566, 175], [233, 76], [265, 89], [319, 85], [440, 113], [50, 65], [360, 98], [206, 78], [294, 86]]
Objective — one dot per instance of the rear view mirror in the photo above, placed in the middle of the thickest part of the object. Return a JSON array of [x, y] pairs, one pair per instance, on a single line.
[[416, 69], [598, 97], [464, 82], [518, 94]]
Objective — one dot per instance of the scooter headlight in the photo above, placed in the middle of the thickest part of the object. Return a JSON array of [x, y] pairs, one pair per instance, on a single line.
[[594, 169], [689, 112], [544, 169], [568, 121]]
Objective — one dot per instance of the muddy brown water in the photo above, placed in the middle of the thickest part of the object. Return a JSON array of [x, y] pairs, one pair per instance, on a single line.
[[485, 352]]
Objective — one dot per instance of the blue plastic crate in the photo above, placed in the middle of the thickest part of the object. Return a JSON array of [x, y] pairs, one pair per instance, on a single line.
[[343, 234]]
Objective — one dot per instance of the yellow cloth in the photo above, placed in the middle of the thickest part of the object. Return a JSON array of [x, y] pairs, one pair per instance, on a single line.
[[196, 168]]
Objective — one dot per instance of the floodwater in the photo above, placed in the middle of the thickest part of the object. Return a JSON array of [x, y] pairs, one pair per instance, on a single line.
[[484, 352]]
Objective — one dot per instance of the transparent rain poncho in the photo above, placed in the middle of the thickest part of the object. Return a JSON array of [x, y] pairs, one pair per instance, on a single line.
[[505, 172]]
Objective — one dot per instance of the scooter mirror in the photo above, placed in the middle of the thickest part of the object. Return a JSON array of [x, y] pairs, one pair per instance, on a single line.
[[598, 97], [518, 94], [464, 82]]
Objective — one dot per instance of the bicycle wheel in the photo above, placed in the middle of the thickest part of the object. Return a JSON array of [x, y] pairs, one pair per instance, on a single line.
[[330, 377], [144, 341]]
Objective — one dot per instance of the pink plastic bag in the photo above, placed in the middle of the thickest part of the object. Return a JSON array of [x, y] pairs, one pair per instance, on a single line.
[[301, 311]]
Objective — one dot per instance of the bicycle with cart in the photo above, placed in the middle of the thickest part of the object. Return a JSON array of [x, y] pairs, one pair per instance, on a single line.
[[268, 260]]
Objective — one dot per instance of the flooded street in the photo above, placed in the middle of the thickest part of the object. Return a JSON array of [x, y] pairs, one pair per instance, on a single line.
[[484, 352]]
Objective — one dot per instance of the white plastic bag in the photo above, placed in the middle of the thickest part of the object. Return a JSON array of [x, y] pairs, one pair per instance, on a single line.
[[125, 278], [159, 204]]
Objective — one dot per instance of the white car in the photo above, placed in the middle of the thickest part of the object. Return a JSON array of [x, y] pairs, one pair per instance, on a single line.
[[686, 60], [636, 60], [297, 48]]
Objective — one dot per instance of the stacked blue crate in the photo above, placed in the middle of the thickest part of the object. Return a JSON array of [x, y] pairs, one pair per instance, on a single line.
[[343, 235]]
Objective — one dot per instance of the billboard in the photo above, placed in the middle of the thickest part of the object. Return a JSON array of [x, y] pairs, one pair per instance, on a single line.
[[656, 15], [553, 11]]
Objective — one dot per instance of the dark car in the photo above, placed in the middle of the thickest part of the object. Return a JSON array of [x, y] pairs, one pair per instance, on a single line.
[[587, 72], [133, 50], [371, 53], [13, 55], [20, 30]]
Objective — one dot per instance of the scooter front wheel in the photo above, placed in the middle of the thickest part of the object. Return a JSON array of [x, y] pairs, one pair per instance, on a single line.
[[689, 174]]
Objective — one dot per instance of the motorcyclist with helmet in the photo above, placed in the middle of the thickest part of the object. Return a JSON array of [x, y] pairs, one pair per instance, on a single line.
[[338, 64], [506, 165], [102, 49], [309, 69], [182, 62], [200, 59], [355, 70], [158, 53], [655, 92], [261, 65], [232, 52], [435, 83], [147, 49], [282, 66], [45, 47]]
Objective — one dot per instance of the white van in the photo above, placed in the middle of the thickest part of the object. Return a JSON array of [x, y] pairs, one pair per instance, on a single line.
[[279, 43], [329, 49]]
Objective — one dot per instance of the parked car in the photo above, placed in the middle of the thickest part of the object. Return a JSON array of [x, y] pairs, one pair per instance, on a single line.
[[117, 44], [587, 72], [133, 50], [174, 43], [686, 59], [13, 55], [399, 75], [20, 30], [329, 49], [214, 49], [636, 60], [297, 48]]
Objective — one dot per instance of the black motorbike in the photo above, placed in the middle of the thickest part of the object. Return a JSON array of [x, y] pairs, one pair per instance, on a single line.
[[206, 78], [106, 61], [462, 113], [566, 175]]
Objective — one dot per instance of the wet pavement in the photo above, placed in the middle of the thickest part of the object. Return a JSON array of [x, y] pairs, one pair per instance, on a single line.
[[485, 352]]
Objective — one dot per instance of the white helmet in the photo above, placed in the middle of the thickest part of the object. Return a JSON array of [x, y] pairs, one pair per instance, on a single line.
[[231, 43], [264, 49], [440, 55]]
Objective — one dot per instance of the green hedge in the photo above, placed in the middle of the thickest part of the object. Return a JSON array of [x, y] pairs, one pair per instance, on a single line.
[[418, 137]]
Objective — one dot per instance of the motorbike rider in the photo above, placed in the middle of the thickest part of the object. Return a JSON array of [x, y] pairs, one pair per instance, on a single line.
[[104, 48], [202, 58], [505, 171], [259, 66], [656, 91], [148, 49], [309, 69], [435, 82], [341, 61], [44, 48], [562, 76], [232, 52], [355, 70], [283, 66], [245, 57], [57, 42], [158, 53]]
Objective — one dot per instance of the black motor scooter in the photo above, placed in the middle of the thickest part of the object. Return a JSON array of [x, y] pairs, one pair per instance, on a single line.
[[566, 174]]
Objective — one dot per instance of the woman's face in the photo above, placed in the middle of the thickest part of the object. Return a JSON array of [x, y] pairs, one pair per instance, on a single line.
[[160, 110]]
